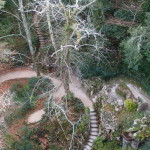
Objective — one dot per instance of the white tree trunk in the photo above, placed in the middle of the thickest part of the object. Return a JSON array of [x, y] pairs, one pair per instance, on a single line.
[[25, 24], [50, 25]]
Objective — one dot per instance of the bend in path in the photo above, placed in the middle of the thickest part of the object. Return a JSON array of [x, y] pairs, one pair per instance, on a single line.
[[75, 87]]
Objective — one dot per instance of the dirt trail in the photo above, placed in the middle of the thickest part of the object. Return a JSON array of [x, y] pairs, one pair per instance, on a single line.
[[17, 75], [75, 87]]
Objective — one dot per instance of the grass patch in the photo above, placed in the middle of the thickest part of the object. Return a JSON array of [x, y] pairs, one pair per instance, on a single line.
[[121, 93]]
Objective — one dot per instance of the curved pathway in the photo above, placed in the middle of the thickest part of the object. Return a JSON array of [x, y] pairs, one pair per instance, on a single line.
[[75, 87]]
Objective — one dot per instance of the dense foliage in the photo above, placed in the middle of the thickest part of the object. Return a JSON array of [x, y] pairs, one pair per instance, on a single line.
[[34, 87]]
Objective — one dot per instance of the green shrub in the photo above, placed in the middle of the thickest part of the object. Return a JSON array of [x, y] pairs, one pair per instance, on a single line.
[[140, 17], [35, 86], [25, 145], [144, 134], [22, 145], [123, 85], [72, 101], [146, 6], [130, 105], [127, 118], [102, 144], [82, 126], [40, 84], [114, 31], [25, 132], [121, 93], [9, 139], [98, 143], [54, 147], [146, 145], [124, 15]]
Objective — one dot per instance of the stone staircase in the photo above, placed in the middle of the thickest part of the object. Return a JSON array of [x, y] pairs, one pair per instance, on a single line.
[[94, 129]]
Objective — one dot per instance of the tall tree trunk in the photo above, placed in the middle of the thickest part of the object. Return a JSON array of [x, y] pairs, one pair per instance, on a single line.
[[65, 70], [28, 35], [25, 24], [50, 25]]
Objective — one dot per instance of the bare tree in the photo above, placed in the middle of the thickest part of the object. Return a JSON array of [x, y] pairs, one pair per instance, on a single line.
[[70, 32]]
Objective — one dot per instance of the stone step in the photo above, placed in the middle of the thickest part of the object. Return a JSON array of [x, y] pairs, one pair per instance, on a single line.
[[94, 134], [87, 147], [94, 125], [94, 121], [92, 137], [90, 144], [95, 129], [92, 109], [91, 140], [92, 113], [93, 118]]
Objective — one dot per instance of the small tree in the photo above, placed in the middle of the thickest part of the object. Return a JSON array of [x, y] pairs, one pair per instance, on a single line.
[[136, 47]]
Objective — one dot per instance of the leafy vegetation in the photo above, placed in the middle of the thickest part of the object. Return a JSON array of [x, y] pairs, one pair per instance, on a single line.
[[34, 87], [130, 105], [27, 96], [101, 143], [124, 15], [114, 31]]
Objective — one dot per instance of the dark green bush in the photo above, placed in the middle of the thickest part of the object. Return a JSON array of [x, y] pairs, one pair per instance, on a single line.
[[83, 125], [25, 145], [140, 17], [54, 147], [114, 31], [102, 144], [35, 86], [145, 145], [146, 6], [124, 15], [22, 145], [72, 101]]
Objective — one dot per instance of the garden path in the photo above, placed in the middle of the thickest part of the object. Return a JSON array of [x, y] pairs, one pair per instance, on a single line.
[[75, 87]]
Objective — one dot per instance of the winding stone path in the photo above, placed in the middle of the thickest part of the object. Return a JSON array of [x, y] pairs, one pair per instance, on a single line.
[[75, 87]]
